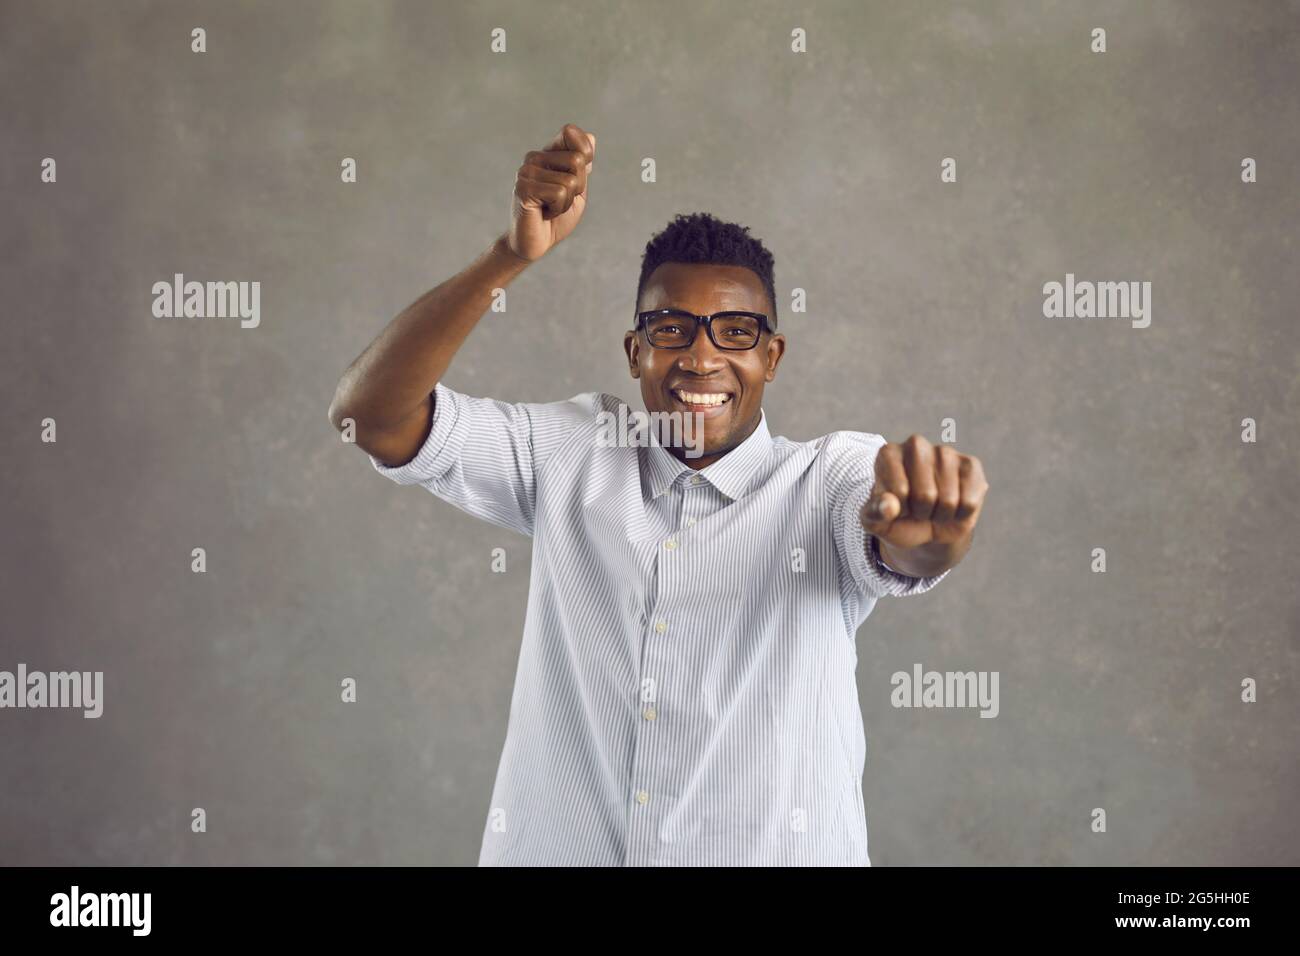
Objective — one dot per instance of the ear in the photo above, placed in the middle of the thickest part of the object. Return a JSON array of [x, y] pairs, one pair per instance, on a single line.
[[633, 349], [775, 350]]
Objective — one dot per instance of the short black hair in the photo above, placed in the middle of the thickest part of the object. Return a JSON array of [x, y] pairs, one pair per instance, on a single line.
[[701, 238]]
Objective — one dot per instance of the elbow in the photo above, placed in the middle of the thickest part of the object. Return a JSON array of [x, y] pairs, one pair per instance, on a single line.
[[342, 411], [342, 418], [349, 406], [356, 426], [338, 415]]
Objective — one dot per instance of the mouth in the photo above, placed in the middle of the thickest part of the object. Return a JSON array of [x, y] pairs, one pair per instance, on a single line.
[[709, 404]]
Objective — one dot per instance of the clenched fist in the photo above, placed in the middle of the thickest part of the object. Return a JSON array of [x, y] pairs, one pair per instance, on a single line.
[[551, 192], [924, 505]]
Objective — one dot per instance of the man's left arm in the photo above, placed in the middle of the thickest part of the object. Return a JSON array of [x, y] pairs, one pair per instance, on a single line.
[[923, 506]]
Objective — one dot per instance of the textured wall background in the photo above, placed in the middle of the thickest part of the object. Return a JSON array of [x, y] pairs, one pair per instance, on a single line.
[[1118, 690]]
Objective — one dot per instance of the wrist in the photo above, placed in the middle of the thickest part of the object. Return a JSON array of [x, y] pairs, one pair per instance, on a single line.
[[882, 558], [502, 252], [923, 561]]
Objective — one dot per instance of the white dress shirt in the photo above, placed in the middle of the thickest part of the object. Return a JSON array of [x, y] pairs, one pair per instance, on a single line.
[[685, 694]]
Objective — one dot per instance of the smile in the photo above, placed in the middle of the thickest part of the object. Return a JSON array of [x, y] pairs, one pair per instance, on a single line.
[[698, 400]]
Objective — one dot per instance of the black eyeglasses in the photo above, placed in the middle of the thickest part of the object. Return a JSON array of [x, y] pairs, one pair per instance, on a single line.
[[677, 328]]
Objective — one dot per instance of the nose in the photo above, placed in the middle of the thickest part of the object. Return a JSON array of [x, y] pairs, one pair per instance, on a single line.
[[703, 356]]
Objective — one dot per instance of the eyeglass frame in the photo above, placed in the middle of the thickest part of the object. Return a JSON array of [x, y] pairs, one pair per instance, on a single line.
[[767, 325]]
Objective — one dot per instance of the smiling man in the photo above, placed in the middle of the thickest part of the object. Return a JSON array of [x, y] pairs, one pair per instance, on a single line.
[[685, 694]]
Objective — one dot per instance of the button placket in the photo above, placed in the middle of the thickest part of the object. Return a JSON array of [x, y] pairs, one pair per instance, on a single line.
[[640, 845], [692, 502]]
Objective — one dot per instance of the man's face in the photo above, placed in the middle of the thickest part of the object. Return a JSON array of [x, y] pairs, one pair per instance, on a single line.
[[703, 368]]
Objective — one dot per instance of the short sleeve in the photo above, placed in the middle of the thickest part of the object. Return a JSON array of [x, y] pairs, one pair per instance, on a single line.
[[483, 455], [850, 476]]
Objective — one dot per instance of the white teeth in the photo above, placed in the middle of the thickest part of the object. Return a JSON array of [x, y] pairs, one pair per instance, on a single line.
[[696, 398]]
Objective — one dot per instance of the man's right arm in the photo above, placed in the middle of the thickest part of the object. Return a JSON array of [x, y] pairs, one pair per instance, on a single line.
[[387, 392]]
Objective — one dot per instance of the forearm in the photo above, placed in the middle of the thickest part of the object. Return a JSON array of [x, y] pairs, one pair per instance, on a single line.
[[391, 380]]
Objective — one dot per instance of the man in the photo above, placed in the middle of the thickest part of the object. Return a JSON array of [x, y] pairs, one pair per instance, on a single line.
[[685, 692]]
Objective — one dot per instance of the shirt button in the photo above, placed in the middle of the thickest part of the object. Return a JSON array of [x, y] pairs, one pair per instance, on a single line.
[[661, 626], [642, 796], [696, 479], [690, 522], [650, 713], [670, 543]]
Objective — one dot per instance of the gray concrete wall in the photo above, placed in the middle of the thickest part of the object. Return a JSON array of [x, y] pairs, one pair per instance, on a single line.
[[1119, 690]]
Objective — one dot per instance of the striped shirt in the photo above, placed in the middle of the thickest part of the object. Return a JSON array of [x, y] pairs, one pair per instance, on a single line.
[[685, 693]]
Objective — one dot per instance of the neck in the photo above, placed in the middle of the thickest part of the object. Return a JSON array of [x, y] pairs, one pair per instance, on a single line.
[[712, 455]]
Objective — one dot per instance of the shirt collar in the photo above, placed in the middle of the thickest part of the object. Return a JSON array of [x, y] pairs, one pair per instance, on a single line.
[[733, 474]]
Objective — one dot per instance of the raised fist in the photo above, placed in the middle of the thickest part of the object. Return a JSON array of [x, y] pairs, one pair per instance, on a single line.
[[551, 192]]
